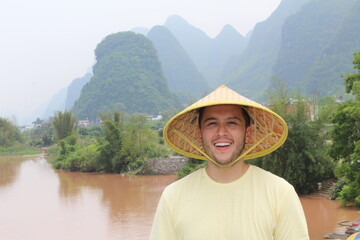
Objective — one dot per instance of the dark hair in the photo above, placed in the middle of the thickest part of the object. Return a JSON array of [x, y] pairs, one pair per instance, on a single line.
[[244, 112]]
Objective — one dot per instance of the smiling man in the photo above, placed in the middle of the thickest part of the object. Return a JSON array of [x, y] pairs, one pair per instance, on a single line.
[[229, 199]]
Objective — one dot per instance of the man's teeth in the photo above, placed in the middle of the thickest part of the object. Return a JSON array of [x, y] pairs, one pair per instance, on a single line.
[[222, 144]]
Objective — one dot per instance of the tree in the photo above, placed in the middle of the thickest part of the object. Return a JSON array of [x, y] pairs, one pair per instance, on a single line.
[[9, 133], [113, 127], [303, 159], [346, 139], [64, 124], [346, 130], [42, 134], [37, 122], [127, 143], [140, 142], [346, 118], [352, 80]]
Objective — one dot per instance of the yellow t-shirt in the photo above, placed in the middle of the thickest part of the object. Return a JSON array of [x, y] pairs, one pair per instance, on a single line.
[[257, 206]]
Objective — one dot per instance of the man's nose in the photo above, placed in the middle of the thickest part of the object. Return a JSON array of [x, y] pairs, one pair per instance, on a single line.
[[222, 130]]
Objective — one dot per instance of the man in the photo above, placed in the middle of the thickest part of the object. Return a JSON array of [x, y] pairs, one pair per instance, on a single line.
[[229, 199]]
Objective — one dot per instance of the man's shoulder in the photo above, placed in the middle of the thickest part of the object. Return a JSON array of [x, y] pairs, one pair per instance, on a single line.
[[268, 177], [185, 182]]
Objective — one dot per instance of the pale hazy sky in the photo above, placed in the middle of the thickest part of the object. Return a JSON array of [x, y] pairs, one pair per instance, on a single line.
[[46, 44]]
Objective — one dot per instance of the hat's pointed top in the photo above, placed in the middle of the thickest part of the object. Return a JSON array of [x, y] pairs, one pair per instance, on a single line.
[[223, 95]]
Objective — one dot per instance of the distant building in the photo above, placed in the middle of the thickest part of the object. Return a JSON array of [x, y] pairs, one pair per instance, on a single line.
[[339, 99], [312, 110], [26, 128], [154, 117], [84, 123]]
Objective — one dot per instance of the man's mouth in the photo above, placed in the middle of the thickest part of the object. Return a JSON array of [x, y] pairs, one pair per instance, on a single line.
[[222, 145]]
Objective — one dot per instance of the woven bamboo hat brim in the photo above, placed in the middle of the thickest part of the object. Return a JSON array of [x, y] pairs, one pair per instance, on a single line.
[[269, 129]]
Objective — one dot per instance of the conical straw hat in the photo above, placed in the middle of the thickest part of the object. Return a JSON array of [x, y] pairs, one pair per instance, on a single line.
[[269, 129]]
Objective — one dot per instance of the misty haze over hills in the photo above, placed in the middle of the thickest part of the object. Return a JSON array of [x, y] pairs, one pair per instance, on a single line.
[[181, 73], [307, 44]]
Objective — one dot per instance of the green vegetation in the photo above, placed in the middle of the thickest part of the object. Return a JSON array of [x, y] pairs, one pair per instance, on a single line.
[[127, 78], [41, 135], [317, 45], [20, 150], [12, 141], [123, 145], [303, 159], [64, 124], [190, 166], [306, 43], [250, 73], [9, 133], [346, 139]]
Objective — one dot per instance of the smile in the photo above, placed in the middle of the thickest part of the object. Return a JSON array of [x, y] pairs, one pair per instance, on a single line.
[[222, 144]]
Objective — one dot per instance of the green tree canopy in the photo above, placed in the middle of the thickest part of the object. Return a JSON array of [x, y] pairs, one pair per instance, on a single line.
[[346, 139], [352, 80], [64, 124], [303, 158], [9, 133]]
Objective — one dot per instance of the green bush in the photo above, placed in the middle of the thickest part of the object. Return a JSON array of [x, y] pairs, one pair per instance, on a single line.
[[85, 159], [190, 166]]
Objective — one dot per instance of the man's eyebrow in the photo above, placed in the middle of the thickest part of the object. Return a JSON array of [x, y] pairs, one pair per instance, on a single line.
[[209, 119], [234, 118], [229, 118]]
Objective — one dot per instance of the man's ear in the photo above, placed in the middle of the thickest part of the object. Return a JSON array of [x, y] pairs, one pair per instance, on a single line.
[[249, 133]]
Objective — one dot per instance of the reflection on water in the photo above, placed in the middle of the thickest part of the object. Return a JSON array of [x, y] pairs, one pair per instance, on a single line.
[[9, 168], [37, 202], [129, 201], [323, 216]]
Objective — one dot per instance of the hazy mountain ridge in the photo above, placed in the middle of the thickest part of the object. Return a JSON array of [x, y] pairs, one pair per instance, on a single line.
[[226, 44], [202, 49], [74, 90], [57, 103], [182, 75], [251, 72], [307, 43], [316, 46], [337, 57]]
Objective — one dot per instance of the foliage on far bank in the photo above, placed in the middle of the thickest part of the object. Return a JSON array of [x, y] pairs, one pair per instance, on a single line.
[[346, 139], [12, 141], [20, 150], [124, 146], [303, 159], [64, 124], [9, 133], [190, 166]]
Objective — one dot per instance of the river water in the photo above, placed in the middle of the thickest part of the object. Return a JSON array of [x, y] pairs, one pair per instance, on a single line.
[[38, 202]]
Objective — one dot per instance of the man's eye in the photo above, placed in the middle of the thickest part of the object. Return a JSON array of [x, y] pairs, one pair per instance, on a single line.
[[232, 123]]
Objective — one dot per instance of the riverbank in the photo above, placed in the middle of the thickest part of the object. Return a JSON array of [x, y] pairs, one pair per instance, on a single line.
[[164, 166], [20, 150]]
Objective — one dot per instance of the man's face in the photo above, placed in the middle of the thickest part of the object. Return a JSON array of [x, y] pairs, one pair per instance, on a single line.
[[223, 132]]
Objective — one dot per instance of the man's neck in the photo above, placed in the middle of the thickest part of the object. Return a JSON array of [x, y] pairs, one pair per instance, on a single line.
[[226, 174]]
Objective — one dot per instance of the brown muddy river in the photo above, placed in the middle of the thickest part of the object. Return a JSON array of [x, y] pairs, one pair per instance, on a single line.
[[38, 202]]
